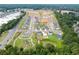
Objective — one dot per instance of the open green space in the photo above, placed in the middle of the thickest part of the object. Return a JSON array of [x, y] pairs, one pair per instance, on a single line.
[[53, 39], [34, 39], [22, 22], [16, 34], [3, 35], [22, 42], [19, 43]]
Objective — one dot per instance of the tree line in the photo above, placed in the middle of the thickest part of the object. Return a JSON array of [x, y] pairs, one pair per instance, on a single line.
[[37, 50], [11, 23], [70, 38]]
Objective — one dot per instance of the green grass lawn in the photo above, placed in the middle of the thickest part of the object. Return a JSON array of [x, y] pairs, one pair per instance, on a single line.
[[53, 39], [19, 43], [22, 21], [3, 35], [35, 41]]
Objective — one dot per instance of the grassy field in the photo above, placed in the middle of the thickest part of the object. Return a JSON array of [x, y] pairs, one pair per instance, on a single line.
[[3, 35], [23, 21], [16, 34], [53, 39], [22, 42], [19, 43]]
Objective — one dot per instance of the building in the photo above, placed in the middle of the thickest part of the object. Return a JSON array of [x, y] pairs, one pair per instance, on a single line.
[[44, 21]]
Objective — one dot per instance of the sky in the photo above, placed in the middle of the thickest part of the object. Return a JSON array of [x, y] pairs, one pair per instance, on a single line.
[[39, 1]]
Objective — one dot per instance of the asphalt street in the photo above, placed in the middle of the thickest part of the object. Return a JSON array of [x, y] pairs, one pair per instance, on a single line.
[[8, 37]]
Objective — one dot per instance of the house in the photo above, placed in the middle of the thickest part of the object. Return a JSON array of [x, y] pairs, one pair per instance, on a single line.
[[59, 34], [45, 35], [50, 33]]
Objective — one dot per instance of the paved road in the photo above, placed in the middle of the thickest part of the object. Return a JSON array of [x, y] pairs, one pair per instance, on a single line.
[[8, 37], [29, 33]]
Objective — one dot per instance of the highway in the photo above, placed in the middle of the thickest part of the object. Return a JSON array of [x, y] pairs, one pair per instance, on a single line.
[[8, 37]]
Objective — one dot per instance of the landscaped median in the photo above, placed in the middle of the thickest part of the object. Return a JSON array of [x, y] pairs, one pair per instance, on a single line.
[[3, 35], [22, 21]]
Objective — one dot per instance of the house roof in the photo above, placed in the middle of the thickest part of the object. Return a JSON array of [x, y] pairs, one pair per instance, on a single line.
[[44, 21]]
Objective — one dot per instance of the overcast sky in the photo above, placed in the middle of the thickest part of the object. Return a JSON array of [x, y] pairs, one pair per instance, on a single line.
[[39, 1]]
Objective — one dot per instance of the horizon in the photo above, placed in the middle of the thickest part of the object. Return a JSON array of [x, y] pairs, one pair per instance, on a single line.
[[31, 6]]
